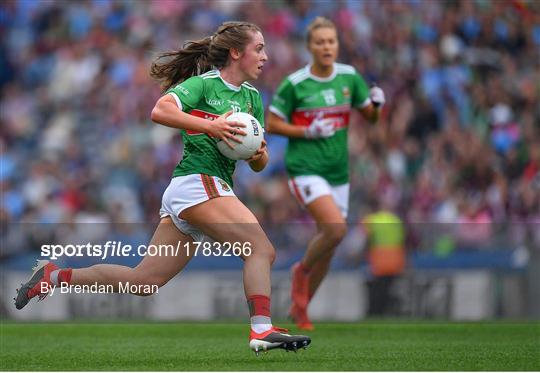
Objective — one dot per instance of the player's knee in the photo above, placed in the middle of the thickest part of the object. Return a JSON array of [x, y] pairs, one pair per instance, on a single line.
[[272, 255], [269, 253], [266, 252]]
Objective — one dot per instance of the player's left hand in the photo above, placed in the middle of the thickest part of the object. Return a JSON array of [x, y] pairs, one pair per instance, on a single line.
[[376, 95], [259, 153]]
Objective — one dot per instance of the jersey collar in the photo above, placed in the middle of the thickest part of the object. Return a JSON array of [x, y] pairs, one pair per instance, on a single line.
[[318, 78], [229, 85]]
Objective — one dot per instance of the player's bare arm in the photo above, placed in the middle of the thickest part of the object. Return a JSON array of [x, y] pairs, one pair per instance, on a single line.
[[276, 125], [167, 113], [371, 113]]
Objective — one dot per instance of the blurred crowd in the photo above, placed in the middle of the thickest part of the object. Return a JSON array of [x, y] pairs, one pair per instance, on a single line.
[[459, 138]]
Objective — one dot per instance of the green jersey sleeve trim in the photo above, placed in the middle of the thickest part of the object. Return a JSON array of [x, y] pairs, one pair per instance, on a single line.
[[360, 92], [177, 99], [188, 93], [284, 100], [258, 110], [366, 102], [276, 111]]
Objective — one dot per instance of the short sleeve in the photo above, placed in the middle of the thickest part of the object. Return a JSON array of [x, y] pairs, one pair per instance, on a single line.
[[188, 93], [284, 100], [360, 97], [258, 110]]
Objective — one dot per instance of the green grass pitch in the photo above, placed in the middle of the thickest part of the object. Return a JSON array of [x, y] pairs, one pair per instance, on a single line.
[[371, 345]]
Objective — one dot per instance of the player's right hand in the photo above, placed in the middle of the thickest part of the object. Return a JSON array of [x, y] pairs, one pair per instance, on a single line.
[[226, 130], [376, 95], [319, 128]]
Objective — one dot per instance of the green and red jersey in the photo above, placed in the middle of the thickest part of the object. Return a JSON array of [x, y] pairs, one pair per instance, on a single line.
[[303, 97], [209, 96]]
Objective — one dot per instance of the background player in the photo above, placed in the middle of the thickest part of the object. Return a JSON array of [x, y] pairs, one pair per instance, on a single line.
[[199, 200], [312, 107]]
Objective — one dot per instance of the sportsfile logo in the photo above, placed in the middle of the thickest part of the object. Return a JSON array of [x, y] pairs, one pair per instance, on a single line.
[[118, 249]]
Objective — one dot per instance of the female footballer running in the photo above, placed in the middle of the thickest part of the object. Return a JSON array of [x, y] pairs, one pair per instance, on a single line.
[[312, 108], [203, 83]]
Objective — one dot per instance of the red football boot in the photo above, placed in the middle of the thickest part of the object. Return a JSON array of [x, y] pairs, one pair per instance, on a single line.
[[33, 287], [299, 286], [277, 338], [300, 317]]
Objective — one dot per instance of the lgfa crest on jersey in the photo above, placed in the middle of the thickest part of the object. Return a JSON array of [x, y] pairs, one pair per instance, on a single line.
[[249, 108]]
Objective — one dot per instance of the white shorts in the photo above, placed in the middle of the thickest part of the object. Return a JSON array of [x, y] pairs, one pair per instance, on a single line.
[[190, 190], [308, 188]]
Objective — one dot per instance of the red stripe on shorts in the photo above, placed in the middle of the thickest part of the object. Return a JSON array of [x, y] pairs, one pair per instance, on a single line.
[[209, 186], [297, 192], [205, 185], [213, 186]]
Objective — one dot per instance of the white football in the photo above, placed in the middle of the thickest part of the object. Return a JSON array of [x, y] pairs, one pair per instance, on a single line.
[[250, 143]]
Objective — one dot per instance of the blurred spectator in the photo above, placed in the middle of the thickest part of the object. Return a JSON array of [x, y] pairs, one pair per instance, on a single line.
[[385, 239]]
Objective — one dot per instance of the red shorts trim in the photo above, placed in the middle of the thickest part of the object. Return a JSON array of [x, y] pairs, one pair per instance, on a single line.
[[209, 186], [297, 192]]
